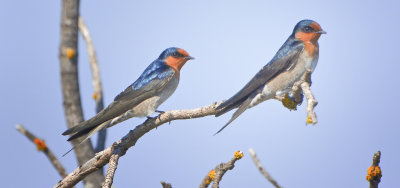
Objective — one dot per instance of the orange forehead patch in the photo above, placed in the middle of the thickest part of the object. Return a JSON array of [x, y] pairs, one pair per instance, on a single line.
[[183, 52], [316, 26]]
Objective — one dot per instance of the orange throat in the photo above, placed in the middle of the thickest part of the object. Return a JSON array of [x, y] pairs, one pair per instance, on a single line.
[[175, 63], [309, 40]]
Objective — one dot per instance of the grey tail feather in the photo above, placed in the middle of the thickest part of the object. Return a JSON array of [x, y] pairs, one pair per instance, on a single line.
[[224, 108], [228, 106], [243, 107], [90, 133]]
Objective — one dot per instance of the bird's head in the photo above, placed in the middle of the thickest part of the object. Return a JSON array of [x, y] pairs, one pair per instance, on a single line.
[[307, 31], [175, 57]]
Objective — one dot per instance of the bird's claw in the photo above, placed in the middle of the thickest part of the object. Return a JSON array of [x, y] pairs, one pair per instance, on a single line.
[[149, 117], [160, 112]]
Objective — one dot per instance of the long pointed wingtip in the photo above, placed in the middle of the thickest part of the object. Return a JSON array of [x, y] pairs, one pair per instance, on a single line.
[[65, 133]]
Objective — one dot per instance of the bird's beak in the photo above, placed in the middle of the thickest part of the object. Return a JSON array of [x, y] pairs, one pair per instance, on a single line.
[[321, 32], [189, 58]]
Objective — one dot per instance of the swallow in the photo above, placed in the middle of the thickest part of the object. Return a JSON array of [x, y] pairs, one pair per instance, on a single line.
[[142, 98], [299, 53]]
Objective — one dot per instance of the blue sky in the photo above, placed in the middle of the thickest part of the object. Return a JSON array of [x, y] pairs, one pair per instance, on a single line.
[[355, 83]]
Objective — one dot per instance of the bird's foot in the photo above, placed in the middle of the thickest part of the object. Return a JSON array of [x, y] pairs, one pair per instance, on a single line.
[[160, 112], [149, 117]]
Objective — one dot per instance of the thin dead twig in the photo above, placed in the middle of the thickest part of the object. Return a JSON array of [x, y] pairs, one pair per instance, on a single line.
[[218, 172], [300, 87], [42, 146], [112, 166], [96, 81], [262, 169]]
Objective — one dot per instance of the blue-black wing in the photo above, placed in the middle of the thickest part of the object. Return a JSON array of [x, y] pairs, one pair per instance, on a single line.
[[284, 59], [152, 81]]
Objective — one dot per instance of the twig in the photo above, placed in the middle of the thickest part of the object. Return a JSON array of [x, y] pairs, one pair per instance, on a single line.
[[130, 139], [261, 169], [112, 166], [41, 146], [97, 86], [300, 87], [68, 55], [166, 185], [311, 102], [218, 172], [374, 171]]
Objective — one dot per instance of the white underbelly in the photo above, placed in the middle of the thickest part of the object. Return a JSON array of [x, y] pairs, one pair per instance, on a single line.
[[284, 82], [150, 105]]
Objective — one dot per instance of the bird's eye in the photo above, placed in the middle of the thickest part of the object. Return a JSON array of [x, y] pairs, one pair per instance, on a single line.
[[307, 29], [175, 54]]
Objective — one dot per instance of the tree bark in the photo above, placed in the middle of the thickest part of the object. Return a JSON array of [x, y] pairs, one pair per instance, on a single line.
[[70, 87]]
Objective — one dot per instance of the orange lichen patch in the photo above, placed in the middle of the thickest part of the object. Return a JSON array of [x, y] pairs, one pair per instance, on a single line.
[[183, 52], [238, 154], [369, 177], [95, 96], [175, 63], [208, 181], [374, 172], [70, 53], [212, 175], [40, 144], [289, 103], [315, 26], [309, 120]]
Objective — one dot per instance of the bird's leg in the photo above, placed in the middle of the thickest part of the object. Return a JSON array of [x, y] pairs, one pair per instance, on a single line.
[[307, 77], [162, 112]]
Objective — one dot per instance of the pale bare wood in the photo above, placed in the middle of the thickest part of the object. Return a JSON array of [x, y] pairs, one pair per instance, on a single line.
[[96, 81], [262, 169], [129, 140], [68, 55], [49, 154]]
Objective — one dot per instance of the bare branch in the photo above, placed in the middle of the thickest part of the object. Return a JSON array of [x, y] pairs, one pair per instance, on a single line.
[[218, 172], [262, 169], [97, 86], [130, 139], [70, 86], [374, 171], [300, 87], [42, 146], [166, 185], [311, 102], [112, 166]]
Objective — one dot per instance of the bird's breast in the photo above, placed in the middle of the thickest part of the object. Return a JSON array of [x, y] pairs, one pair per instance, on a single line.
[[150, 105], [284, 82]]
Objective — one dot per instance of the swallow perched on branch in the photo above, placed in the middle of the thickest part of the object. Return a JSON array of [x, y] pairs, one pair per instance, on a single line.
[[299, 53], [156, 84]]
